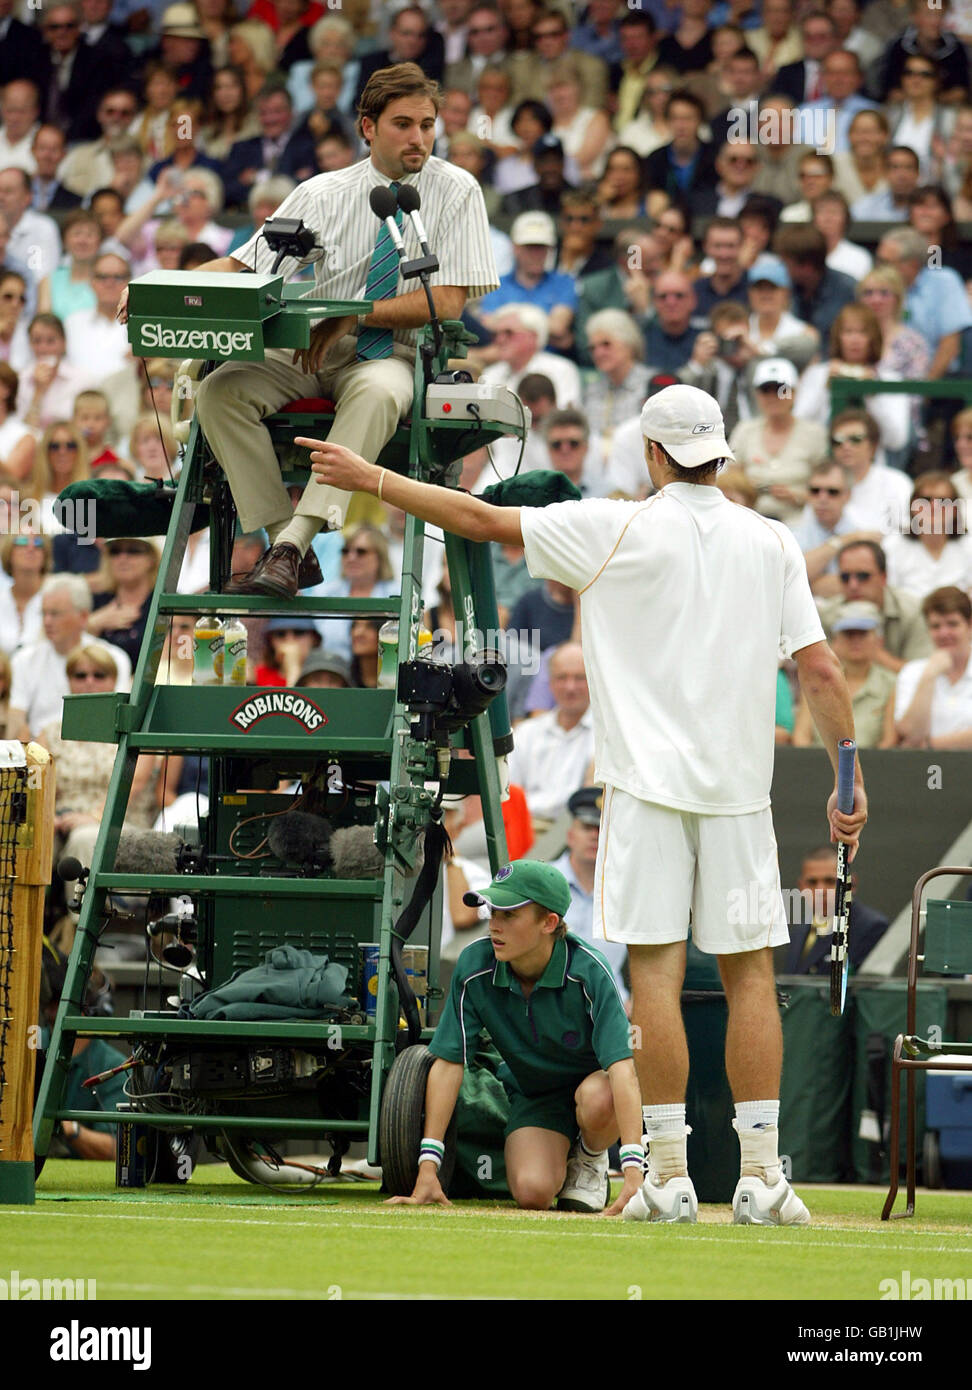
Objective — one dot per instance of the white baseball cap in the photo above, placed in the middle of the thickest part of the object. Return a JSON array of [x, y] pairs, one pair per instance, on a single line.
[[775, 371], [688, 424], [534, 229]]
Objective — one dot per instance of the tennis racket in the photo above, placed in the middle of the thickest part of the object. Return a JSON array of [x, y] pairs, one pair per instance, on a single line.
[[839, 959]]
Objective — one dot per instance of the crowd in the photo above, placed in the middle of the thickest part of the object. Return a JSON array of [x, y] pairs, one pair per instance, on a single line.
[[753, 199]]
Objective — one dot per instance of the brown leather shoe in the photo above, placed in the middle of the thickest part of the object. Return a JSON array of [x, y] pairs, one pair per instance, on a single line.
[[308, 575], [277, 573]]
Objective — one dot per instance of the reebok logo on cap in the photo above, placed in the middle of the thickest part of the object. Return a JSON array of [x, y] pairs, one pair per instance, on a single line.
[[703, 429]]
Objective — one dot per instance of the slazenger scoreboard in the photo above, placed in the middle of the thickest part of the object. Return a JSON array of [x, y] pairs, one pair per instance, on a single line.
[[217, 315]]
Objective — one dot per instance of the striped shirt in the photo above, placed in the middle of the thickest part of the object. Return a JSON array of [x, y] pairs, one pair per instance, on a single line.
[[336, 208]]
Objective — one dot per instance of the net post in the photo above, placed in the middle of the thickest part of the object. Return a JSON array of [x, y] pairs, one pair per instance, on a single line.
[[26, 850]]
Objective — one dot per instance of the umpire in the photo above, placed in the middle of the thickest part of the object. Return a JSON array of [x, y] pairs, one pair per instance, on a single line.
[[687, 600]]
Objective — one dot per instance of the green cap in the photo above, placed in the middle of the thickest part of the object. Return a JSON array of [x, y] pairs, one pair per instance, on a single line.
[[525, 881]]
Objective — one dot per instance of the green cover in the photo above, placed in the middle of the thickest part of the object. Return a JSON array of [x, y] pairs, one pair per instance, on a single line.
[[818, 1057], [482, 1112], [127, 509], [538, 488]]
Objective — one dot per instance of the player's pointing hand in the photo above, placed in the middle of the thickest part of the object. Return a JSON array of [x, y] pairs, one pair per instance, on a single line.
[[334, 464]]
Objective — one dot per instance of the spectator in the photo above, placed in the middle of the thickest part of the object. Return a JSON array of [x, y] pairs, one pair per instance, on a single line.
[[366, 572], [856, 345], [815, 176], [49, 384], [722, 246], [935, 551], [648, 130], [570, 451], [600, 33], [184, 48], [534, 238], [930, 213], [627, 285], [920, 121], [17, 442], [216, 19], [252, 49], [47, 192], [92, 419], [197, 199], [34, 237], [723, 361], [228, 116], [743, 88], [904, 351], [819, 293], [511, 578], [15, 348], [736, 165], [859, 171], [453, 26], [685, 167], [411, 39], [671, 335], [577, 866], [529, 123], [840, 100], [72, 78], [88, 166], [957, 162], [933, 705], [671, 234], [809, 950], [638, 37], [69, 289], [325, 671], [777, 41], [855, 638], [290, 21], [711, 84], [773, 330], [537, 393], [278, 149], [335, 150], [688, 48], [22, 51], [862, 571], [364, 653], [962, 441], [288, 645], [39, 679], [26, 560], [331, 40], [581, 253], [621, 192], [831, 216], [781, 151], [777, 450], [927, 37], [128, 178], [803, 79], [61, 459], [19, 109], [850, 33], [487, 40], [583, 130], [618, 392], [325, 115], [123, 593], [827, 524], [108, 206], [935, 299], [879, 494], [520, 336], [552, 751], [492, 116], [185, 117], [902, 172], [95, 335], [468, 152], [547, 193], [153, 127], [546, 614], [152, 452]]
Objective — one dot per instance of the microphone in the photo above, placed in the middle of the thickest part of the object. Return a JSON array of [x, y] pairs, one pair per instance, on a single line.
[[384, 205], [410, 200]]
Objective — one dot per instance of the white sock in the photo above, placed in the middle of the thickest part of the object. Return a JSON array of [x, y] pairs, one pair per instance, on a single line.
[[299, 531], [663, 1119], [591, 1153], [758, 1114]]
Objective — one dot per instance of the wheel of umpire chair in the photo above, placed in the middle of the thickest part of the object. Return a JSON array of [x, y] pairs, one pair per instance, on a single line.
[[931, 1160], [174, 1156], [401, 1124]]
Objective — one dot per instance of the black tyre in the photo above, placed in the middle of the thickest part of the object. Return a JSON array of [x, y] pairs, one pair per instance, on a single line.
[[175, 1155], [931, 1160], [401, 1124]]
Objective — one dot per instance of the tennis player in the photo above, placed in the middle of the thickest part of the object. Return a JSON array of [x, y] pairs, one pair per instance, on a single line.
[[554, 1014], [687, 600]]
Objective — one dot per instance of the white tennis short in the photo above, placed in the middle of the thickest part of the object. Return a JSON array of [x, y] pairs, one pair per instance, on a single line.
[[656, 866]]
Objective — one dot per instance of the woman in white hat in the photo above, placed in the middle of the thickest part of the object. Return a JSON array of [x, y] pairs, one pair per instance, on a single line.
[[777, 450]]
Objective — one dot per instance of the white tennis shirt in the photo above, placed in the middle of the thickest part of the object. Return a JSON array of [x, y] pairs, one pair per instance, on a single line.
[[687, 602]]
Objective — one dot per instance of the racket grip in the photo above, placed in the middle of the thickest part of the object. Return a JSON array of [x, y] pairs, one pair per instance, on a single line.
[[846, 757]]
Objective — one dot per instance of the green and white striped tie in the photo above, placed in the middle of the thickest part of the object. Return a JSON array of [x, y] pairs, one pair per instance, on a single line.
[[374, 343]]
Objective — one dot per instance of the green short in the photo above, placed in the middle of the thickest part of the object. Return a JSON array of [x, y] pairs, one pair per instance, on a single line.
[[550, 1110]]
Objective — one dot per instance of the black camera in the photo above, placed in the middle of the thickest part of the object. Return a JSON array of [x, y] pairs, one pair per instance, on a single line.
[[448, 697]]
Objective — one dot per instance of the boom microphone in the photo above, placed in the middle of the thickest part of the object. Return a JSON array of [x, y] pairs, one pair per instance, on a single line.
[[147, 852], [297, 837], [410, 200], [355, 853], [384, 205]]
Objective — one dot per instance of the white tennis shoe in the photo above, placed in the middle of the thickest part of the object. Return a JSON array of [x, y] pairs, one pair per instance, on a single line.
[[587, 1186], [674, 1200], [758, 1203]]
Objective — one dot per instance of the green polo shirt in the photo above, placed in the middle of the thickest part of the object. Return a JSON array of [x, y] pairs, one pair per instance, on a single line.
[[572, 1024]]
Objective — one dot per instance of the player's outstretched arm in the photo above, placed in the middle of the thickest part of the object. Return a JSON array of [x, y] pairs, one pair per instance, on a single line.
[[441, 1094], [627, 1110], [453, 511], [828, 699]]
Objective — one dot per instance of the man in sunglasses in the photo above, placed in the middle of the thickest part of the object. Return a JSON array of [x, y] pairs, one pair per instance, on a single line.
[[828, 523], [863, 577]]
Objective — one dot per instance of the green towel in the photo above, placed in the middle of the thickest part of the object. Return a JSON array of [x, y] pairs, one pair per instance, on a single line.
[[289, 984], [125, 509], [539, 488]]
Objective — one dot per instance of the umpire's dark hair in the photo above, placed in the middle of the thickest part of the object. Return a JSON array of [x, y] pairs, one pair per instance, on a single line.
[[388, 84], [879, 557]]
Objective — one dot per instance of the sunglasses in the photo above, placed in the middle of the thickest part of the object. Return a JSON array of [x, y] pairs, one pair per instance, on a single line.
[[825, 491], [109, 275], [847, 439], [860, 575], [28, 540], [89, 675], [68, 444], [127, 550], [671, 294], [556, 445], [356, 550]]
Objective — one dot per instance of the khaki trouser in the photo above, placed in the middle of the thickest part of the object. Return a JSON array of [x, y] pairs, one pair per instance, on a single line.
[[370, 399]]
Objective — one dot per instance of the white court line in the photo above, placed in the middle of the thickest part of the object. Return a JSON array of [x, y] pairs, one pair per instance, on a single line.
[[555, 1232], [216, 1290]]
